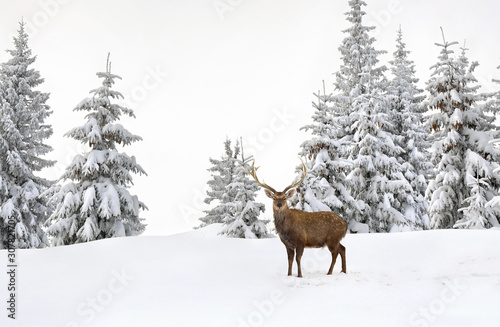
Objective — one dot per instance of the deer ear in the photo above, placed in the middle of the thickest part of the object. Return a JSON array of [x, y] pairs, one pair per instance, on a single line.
[[290, 193], [269, 193]]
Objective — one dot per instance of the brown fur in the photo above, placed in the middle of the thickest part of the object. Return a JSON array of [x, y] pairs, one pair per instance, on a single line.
[[299, 229]]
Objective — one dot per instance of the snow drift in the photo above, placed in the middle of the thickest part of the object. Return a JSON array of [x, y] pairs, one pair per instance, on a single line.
[[432, 278]]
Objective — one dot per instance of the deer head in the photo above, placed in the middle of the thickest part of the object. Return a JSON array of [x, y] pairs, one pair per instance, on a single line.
[[279, 198]]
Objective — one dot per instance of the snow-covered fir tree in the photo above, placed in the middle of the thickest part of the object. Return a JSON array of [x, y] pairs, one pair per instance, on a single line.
[[482, 174], [446, 191], [95, 202], [481, 209], [243, 221], [357, 52], [488, 218], [355, 162], [377, 181], [234, 194], [411, 135], [328, 151], [222, 175], [465, 159], [23, 131], [324, 188]]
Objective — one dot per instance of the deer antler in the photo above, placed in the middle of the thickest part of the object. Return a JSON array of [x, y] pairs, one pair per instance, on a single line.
[[304, 174], [253, 173]]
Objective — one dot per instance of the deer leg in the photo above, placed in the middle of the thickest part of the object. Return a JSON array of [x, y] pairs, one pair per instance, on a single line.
[[291, 253], [342, 255], [335, 251], [300, 250]]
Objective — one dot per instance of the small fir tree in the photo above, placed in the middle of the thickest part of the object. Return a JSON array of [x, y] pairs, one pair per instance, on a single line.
[[96, 203], [243, 221], [23, 131], [222, 175], [235, 195], [480, 209]]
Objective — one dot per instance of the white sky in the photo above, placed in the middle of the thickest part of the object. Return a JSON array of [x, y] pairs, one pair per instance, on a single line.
[[194, 74]]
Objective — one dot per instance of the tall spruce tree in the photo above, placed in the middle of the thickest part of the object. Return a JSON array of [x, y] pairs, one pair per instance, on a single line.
[[95, 203], [328, 151], [482, 157], [354, 158], [23, 131], [409, 134], [376, 180], [463, 155], [445, 192]]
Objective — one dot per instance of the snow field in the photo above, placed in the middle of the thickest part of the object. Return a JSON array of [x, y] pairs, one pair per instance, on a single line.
[[431, 278]]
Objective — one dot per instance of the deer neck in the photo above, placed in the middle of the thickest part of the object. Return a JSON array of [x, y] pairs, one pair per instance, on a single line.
[[281, 218]]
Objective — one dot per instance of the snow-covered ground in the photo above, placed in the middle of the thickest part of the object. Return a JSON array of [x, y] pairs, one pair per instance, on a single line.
[[432, 278]]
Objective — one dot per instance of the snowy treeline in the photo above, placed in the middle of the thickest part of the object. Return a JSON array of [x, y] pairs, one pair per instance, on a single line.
[[388, 157], [382, 153], [379, 162], [95, 202]]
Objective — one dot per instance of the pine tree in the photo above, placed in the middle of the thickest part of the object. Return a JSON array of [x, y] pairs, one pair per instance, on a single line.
[[481, 159], [491, 217], [357, 53], [461, 134], [410, 135], [357, 126], [376, 180], [243, 221], [222, 174], [235, 195], [359, 58], [329, 150], [95, 203], [324, 187], [445, 192], [481, 209], [23, 132]]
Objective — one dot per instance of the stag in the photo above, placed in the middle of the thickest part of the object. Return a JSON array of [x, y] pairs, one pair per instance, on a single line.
[[299, 229]]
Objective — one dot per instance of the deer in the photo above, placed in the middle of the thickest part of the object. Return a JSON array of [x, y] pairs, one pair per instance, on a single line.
[[299, 229]]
